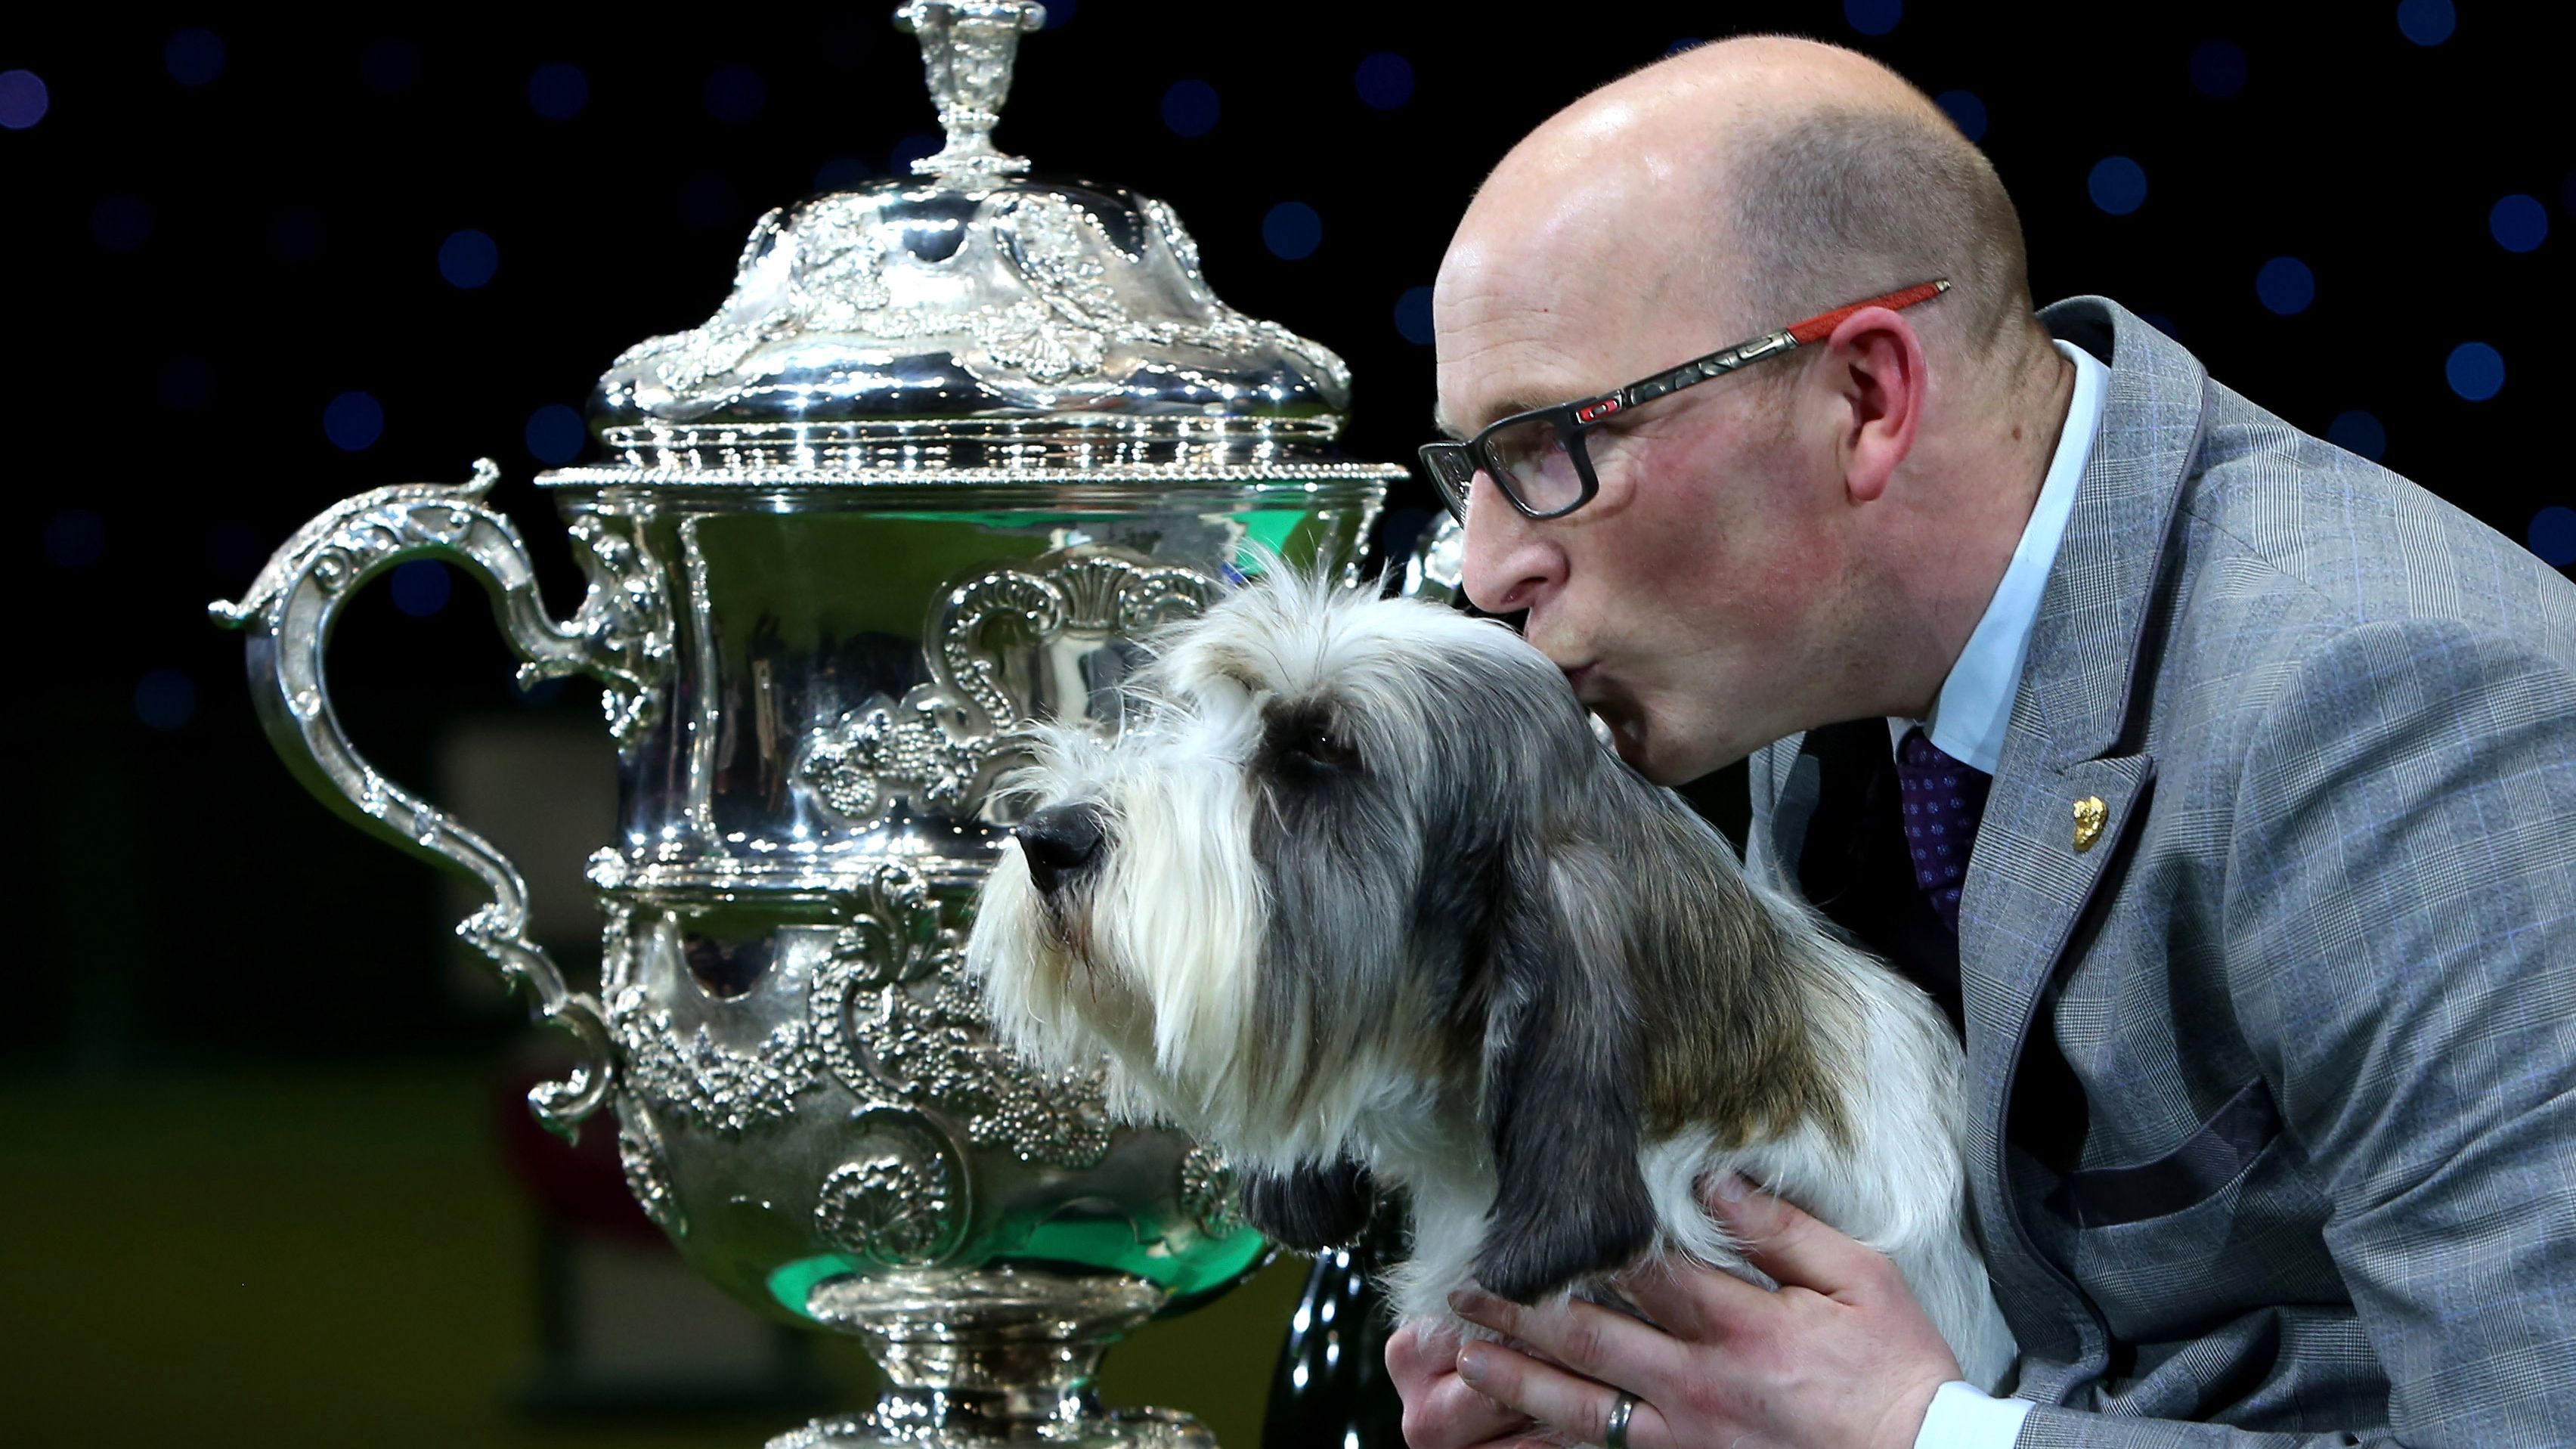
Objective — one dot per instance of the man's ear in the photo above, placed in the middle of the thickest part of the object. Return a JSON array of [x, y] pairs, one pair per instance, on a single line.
[[1311, 1208], [1876, 362], [1560, 1087]]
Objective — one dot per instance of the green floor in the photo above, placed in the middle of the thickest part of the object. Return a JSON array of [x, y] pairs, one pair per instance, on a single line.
[[340, 1260]]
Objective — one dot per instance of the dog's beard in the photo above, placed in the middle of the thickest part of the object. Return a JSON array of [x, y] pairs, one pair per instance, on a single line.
[[1270, 1040], [1144, 955]]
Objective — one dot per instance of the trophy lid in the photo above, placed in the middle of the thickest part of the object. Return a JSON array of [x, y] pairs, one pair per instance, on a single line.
[[971, 324]]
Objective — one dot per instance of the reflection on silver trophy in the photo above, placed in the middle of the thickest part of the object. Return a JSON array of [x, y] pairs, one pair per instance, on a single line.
[[954, 442]]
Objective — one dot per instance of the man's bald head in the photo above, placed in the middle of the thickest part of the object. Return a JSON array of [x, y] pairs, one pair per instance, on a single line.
[[1760, 180], [1814, 541]]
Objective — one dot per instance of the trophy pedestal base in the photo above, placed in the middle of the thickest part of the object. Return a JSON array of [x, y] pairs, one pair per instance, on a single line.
[[991, 1358], [1117, 1429]]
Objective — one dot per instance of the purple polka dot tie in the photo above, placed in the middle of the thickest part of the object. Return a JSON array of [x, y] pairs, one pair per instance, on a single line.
[[1944, 799]]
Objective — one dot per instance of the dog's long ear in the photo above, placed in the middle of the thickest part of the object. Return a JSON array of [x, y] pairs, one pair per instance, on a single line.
[[1312, 1208], [1561, 1075]]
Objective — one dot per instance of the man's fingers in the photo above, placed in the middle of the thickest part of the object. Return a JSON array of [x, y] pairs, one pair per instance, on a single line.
[[1573, 1405], [1585, 1337], [1685, 1297], [1795, 1249], [1452, 1414], [1420, 1349], [1440, 1410]]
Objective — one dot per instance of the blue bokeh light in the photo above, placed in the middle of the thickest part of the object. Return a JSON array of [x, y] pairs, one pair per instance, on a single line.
[[2426, 22], [1384, 80], [558, 90], [1292, 231], [734, 95], [2519, 223], [187, 384], [121, 223], [2218, 68], [420, 587], [75, 538], [555, 433], [2285, 285], [353, 421], [165, 699], [2161, 323], [1190, 108], [1965, 112], [2118, 185], [1413, 315], [468, 258], [297, 234], [2358, 433], [842, 173], [2475, 371], [193, 56], [2553, 535], [23, 99], [1687, 42], [390, 67], [1059, 14], [1873, 17], [908, 150]]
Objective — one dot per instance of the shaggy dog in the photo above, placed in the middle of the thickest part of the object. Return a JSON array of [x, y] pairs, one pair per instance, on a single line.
[[1357, 893]]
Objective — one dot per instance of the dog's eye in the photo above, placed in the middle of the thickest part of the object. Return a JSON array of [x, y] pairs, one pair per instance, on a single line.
[[1324, 747]]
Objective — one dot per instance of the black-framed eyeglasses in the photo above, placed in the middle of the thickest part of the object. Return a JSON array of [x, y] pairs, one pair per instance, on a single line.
[[1540, 459]]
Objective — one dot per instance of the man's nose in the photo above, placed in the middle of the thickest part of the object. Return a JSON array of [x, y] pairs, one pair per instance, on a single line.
[[1061, 843], [1507, 562]]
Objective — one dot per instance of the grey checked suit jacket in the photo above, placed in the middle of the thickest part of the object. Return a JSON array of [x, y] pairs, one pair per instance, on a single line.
[[2315, 981]]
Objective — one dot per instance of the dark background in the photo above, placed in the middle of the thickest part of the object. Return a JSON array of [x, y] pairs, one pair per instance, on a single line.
[[217, 226]]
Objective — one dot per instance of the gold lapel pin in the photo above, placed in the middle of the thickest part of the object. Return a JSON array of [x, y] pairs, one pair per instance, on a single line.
[[2090, 812]]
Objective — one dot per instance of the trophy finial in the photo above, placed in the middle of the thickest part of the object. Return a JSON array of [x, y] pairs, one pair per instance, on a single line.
[[966, 49]]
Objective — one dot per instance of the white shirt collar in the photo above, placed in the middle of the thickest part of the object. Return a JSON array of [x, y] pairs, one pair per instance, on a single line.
[[1968, 720]]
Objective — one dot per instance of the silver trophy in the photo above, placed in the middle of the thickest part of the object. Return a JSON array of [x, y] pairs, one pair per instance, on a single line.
[[952, 445]]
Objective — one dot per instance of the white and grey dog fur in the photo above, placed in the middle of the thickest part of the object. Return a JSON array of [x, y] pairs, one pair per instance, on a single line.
[[1358, 894]]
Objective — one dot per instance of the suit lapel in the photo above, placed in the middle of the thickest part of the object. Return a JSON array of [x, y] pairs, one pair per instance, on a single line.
[[1794, 782], [2070, 739]]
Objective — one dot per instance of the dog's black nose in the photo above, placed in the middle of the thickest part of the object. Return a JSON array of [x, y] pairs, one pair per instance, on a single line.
[[1061, 841]]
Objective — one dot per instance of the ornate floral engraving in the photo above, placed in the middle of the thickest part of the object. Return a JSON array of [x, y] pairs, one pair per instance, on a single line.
[[648, 1168], [625, 619], [1061, 296], [704, 1081], [1185, 248], [941, 747], [1211, 1193], [901, 1204], [966, 54], [895, 1017], [694, 1076]]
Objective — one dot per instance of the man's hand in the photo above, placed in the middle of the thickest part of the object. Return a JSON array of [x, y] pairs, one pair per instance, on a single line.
[[1840, 1356], [1440, 1410]]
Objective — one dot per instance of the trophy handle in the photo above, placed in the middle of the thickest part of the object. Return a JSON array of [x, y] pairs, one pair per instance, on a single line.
[[621, 635]]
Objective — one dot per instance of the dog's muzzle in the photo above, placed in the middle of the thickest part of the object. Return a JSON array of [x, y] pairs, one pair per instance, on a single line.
[[1061, 842]]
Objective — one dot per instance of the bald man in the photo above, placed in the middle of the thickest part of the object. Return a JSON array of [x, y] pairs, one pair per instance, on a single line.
[[2220, 784]]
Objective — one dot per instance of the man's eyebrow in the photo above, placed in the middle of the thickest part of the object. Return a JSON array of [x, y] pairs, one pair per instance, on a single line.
[[1508, 407]]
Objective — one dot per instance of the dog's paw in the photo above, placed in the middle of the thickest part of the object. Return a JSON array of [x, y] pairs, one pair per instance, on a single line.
[[1535, 1256]]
